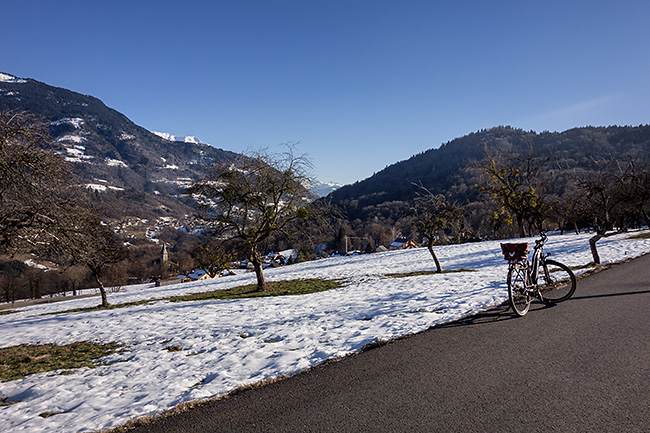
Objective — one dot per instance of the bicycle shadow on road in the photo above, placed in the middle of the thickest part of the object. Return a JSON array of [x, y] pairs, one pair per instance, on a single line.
[[494, 315]]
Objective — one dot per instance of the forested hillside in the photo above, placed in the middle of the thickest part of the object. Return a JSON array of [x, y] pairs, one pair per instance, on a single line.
[[452, 168], [505, 182]]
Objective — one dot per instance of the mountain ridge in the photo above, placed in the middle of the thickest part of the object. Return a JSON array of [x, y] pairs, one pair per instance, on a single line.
[[107, 149], [445, 169]]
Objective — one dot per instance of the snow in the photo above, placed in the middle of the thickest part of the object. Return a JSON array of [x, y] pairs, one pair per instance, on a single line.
[[76, 153], [33, 264], [76, 122], [72, 138], [6, 78], [230, 343], [322, 189], [169, 137], [115, 163], [102, 188]]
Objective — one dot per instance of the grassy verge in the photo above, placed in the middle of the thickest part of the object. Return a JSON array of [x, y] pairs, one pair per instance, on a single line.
[[273, 288], [422, 273], [17, 362], [640, 236]]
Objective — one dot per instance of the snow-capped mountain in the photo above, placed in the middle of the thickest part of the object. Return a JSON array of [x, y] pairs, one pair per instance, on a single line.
[[185, 139], [110, 152], [108, 149], [322, 189], [6, 78]]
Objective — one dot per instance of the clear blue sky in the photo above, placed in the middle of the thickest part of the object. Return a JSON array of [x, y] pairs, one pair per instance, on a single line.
[[360, 84]]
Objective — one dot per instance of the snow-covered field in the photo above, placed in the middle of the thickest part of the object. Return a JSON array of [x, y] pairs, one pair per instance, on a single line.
[[227, 344]]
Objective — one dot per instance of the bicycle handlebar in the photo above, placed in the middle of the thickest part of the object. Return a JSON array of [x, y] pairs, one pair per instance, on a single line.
[[540, 242]]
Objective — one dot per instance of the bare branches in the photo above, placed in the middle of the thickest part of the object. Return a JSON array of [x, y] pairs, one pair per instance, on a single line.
[[433, 216], [35, 188], [90, 242], [254, 197]]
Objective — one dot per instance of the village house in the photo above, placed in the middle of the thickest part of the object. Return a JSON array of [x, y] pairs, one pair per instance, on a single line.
[[403, 244]]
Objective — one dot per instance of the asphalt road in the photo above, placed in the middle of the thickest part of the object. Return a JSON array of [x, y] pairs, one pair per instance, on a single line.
[[579, 366]]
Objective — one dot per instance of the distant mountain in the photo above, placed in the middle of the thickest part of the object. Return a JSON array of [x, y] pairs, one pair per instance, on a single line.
[[111, 153], [322, 189], [169, 137], [448, 169]]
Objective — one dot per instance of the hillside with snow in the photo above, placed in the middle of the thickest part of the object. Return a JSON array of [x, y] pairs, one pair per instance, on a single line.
[[106, 148], [227, 344]]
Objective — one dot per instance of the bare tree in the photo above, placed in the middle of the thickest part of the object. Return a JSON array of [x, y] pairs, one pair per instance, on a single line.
[[254, 197], [35, 188], [90, 242], [433, 216], [614, 195]]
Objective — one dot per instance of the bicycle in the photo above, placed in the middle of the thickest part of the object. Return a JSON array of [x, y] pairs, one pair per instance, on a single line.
[[556, 283]]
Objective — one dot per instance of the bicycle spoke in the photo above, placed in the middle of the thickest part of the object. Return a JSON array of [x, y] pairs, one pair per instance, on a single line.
[[556, 283], [518, 291]]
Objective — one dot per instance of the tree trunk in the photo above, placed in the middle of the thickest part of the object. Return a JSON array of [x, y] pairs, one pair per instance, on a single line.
[[645, 217], [594, 250], [435, 258], [98, 279], [522, 229], [256, 260]]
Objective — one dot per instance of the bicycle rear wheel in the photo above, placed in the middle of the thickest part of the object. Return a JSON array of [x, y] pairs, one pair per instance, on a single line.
[[518, 294], [556, 282]]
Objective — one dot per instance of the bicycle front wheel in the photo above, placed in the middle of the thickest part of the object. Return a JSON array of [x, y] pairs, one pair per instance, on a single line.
[[556, 282], [518, 294]]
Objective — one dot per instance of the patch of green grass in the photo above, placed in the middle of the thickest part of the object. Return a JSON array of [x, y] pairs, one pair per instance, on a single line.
[[423, 273], [17, 362], [3, 312], [173, 348], [273, 288]]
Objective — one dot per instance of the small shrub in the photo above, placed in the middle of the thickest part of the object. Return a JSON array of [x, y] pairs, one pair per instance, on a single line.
[[173, 348], [4, 402]]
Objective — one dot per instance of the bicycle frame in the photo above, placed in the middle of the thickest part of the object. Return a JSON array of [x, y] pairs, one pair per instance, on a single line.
[[538, 257]]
